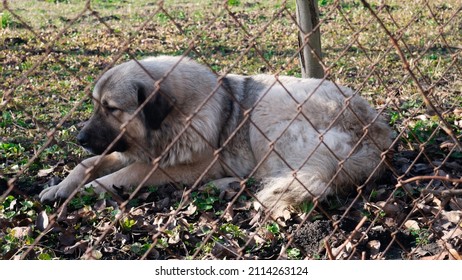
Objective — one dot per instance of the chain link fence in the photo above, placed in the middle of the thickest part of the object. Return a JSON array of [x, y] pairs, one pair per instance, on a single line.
[[403, 58]]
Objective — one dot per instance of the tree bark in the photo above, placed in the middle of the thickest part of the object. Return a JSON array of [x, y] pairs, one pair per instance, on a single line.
[[309, 40]]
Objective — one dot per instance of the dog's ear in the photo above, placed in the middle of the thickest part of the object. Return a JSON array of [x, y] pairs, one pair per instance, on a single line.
[[156, 109]]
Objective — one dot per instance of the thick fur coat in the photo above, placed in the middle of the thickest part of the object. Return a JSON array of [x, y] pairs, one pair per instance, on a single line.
[[169, 119]]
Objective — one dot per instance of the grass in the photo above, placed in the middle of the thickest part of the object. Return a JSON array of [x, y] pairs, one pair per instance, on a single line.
[[5, 20], [59, 56]]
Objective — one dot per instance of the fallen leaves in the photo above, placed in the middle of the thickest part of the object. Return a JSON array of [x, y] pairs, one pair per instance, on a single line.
[[42, 221]]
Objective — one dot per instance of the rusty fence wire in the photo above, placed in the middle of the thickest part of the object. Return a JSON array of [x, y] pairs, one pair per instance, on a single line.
[[403, 58]]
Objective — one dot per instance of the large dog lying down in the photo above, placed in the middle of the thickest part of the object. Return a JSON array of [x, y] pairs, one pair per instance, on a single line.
[[306, 138]]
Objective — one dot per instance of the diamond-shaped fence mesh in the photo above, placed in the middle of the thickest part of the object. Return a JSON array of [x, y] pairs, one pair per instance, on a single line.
[[200, 157]]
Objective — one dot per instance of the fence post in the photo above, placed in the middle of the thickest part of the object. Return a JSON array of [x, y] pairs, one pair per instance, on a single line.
[[310, 54]]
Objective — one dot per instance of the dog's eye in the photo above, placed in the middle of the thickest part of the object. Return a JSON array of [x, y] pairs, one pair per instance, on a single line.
[[111, 109]]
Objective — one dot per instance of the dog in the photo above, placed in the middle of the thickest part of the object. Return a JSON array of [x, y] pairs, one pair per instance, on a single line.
[[170, 119]]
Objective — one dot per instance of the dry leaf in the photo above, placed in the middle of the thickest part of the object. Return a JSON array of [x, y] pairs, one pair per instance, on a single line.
[[454, 254], [41, 223], [411, 224], [452, 216], [45, 172], [80, 245], [221, 251], [190, 210], [21, 232], [456, 203], [391, 209], [374, 247], [440, 256], [455, 232]]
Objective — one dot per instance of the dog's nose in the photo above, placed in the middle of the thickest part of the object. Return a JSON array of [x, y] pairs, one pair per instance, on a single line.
[[82, 138]]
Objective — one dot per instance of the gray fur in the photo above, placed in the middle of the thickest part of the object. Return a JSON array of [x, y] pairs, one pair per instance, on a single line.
[[289, 127]]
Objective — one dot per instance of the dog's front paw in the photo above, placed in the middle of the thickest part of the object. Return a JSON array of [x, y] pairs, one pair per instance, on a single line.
[[54, 193]]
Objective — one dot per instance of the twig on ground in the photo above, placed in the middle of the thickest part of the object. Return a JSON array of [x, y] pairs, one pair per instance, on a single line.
[[418, 178], [444, 193]]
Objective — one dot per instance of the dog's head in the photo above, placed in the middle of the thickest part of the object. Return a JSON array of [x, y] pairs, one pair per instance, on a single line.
[[118, 123], [142, 107]]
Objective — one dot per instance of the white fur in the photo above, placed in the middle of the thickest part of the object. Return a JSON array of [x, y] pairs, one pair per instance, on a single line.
[[307, 137]]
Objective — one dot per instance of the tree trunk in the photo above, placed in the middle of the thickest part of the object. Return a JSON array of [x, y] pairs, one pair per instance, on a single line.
[[309, 41]]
